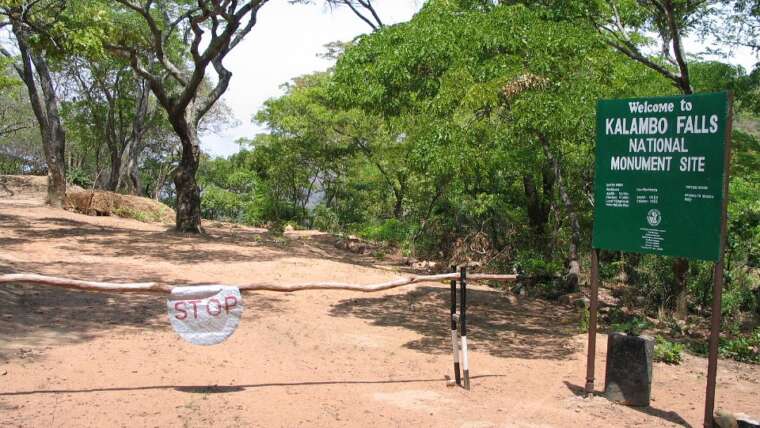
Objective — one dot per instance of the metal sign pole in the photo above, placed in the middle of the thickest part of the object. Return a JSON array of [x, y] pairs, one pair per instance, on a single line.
[[593, 309], [712, 357]]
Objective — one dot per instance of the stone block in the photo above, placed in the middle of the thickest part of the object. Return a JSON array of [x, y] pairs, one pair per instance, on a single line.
[[628, 375]]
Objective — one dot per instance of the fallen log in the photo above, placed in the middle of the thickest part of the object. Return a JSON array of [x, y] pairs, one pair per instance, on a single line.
[[155, 287]]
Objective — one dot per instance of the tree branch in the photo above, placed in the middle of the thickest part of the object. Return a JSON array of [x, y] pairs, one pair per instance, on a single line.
[[675, 36]]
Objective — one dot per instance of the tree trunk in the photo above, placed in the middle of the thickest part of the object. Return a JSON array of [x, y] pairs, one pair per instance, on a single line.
[[538, 204], [399, 193], [113, 174], [46, 111], [128, 180], [188, 193], [574, 267], [398, 207], [680, 269]]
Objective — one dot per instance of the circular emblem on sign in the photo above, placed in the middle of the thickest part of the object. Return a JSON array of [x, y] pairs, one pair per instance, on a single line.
[[654, 217], [205, 314]]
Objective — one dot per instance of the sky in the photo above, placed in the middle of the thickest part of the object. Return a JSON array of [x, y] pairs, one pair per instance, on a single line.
[[285, 43]]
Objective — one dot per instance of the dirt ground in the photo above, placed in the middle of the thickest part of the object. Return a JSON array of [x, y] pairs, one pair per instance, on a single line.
[[314, 358]]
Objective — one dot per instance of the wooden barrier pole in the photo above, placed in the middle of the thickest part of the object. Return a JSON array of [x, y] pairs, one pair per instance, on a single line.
[[155, 287], [465, 362], [454, 333]]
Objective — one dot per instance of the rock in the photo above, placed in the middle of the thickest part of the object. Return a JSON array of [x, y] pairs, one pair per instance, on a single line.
[[289, 228], [583, 303], [449, 381], [744, 421], [724, 419], [568, 299], [511, 298], [628, 376], [424, 265]]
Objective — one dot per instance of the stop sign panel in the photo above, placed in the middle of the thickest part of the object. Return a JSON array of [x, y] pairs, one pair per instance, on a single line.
[[205, 314]]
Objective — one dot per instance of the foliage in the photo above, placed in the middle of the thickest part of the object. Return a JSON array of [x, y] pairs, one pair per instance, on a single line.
[[667, 352], [583, 321], [139, 215], [79, 177], [325, 219], [391, 231], [634, 325], [746, 349]]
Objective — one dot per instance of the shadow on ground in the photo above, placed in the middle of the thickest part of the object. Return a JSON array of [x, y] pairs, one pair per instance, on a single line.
[[532, 329], [669, 416], [89, 239], [221, 389], [33, 318]]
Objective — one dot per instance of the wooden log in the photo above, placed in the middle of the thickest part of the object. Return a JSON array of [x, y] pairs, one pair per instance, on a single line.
[[155, 287]]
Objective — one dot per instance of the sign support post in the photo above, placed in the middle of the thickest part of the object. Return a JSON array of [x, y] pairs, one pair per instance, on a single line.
[[718, 278], [593, 311]]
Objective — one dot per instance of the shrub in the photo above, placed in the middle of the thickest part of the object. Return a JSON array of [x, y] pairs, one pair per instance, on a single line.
[[584, 320], [219, 204], [325, 219], [391, 230], [746, 349], [536, 266], [79, 177], [667, 352], [633, 326]]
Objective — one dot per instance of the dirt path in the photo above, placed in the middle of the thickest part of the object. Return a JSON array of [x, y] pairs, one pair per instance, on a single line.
[[308, 358]]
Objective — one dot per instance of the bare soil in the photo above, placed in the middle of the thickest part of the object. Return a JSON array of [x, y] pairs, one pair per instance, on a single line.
[[317, 358]]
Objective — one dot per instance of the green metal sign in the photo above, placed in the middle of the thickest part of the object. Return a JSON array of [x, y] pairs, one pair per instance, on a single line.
[[660, 169]]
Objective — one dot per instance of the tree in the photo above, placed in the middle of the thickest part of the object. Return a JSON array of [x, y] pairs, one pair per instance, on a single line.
[[25, 19], [20, 148], [171, 44], [109, 95]]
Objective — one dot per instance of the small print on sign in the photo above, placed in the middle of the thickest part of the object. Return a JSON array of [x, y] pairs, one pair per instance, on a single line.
[[205, 314]]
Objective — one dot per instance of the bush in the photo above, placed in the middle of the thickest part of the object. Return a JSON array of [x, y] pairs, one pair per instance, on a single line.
[[633, 326], [219, 204], [536, 266], [78, 177], [325, 219], [667, 352], [584, 320], [391, 231], [745, 349]]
